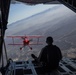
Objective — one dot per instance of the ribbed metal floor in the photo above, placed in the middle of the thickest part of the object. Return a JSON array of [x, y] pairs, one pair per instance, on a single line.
[[67, 67]]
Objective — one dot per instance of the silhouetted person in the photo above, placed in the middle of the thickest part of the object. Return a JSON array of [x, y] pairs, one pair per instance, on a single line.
[[50, 55]]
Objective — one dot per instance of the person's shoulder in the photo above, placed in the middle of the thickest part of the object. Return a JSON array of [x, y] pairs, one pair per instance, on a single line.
[[45, 47], [56, 46]]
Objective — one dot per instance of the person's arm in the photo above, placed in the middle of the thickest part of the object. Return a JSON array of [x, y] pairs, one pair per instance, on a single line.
[[60, 54], [42, 55]]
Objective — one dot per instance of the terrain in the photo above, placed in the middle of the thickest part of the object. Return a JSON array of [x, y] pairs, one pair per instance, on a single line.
[[58, 22]]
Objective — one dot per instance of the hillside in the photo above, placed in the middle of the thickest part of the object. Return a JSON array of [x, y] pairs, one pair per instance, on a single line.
[[59, 22]]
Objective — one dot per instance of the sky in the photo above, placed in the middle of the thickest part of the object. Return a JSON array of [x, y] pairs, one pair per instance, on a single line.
[[21, 11]]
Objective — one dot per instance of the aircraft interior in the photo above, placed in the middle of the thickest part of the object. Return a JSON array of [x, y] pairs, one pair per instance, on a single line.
[[66, 66]]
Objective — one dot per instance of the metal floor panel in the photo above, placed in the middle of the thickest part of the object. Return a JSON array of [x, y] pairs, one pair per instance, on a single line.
[[66, 67]]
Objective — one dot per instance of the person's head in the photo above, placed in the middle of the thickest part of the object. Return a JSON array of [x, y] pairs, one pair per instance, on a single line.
[[49, 40]]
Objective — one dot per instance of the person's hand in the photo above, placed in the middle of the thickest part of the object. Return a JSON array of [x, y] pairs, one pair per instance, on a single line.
[[33, 56]]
